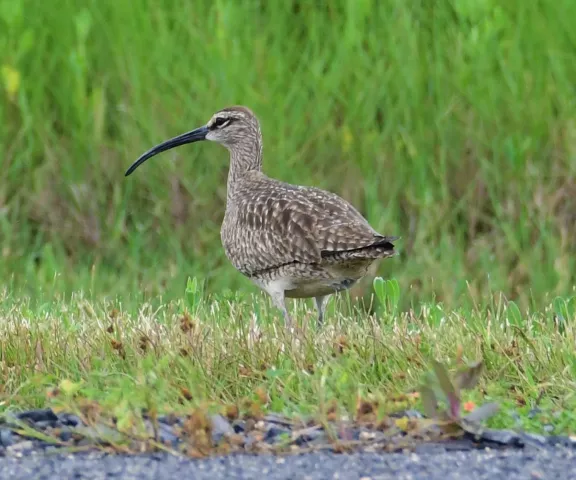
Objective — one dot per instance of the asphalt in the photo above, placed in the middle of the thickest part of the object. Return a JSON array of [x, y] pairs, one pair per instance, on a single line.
[[508, 464]]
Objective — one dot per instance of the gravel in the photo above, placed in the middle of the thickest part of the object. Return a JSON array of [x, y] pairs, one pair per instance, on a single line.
[[367, 450], [510, 464], [202, 433]]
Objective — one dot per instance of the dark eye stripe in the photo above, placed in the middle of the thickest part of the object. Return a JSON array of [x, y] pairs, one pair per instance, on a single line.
[[221, 122]]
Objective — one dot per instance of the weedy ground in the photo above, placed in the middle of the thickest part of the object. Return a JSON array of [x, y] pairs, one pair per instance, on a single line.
[[227, 353]]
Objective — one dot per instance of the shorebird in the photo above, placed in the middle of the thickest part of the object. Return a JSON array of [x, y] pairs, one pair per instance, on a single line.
[[292, 241]]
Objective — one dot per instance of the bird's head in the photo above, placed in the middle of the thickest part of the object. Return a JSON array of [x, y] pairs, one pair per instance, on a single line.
[[228, 127]]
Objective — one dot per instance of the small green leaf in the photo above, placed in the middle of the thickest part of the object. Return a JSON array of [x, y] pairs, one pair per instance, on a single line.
[[392, 294], [571, 308], [436, 315], [193, 293], [429, 402], [514, 315], [559, 306], [447, 387], [191, 285], [380, 289], [443, 377], [431, 381], [468, 377], [561, 313]]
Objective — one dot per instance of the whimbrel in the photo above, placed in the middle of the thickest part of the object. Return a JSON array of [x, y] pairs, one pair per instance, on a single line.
[[292, 241]]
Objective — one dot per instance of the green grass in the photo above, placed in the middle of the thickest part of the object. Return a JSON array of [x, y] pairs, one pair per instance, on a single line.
[[451, 125], [223, 351]]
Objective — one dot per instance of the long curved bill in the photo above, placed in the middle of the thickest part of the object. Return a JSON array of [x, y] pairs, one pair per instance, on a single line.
[[189, 137]]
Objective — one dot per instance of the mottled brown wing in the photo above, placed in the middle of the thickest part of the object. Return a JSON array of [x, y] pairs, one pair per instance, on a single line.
[[277, 223], [338, 225]]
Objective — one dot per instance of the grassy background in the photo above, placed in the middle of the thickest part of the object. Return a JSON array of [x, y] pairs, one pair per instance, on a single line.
[[451, 124]]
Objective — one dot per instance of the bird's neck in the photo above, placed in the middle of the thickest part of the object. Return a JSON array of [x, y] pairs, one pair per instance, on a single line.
[[245, 156]]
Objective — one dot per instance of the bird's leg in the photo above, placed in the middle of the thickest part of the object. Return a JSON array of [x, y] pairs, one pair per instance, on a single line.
[[280, 302], [320, 304]]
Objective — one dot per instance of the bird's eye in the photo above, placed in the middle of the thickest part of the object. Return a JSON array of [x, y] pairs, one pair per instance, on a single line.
[[221, 122]]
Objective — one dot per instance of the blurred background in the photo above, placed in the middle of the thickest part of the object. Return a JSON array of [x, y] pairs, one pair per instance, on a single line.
[[449, 123]]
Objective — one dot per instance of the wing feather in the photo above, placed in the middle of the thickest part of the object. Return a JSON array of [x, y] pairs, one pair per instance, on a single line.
[[274, 223]]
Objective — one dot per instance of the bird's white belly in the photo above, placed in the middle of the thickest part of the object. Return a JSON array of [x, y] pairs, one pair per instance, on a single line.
[[295, 287]]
